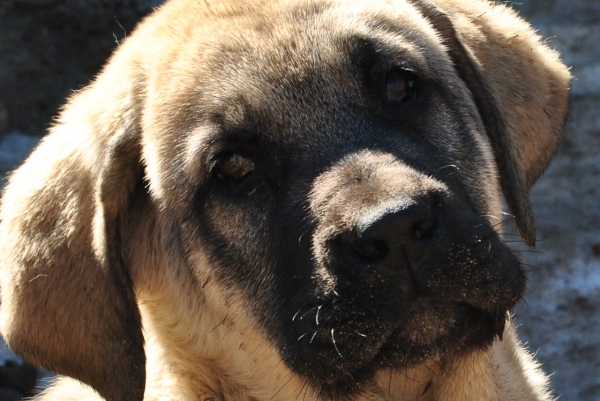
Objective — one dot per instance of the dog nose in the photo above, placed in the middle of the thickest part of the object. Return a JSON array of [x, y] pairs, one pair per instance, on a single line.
[[392, 234]]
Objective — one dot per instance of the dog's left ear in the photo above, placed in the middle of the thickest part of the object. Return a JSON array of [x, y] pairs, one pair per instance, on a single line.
[[519, 85]]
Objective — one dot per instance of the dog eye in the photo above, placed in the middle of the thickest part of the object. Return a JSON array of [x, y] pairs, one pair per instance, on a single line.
[[400, 87], [233, 168]]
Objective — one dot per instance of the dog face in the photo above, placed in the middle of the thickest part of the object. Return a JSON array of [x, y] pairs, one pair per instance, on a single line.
[[347, 197], [330, 172]]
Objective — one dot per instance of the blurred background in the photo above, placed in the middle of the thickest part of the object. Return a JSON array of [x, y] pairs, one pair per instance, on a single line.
[[50, 48]]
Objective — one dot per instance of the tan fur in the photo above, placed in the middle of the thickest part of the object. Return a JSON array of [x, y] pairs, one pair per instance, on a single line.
[[81, 252]]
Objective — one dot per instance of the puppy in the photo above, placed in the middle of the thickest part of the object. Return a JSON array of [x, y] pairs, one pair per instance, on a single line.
[[282, 200]]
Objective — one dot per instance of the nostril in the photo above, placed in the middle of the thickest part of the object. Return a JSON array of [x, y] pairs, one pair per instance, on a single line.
[[370, 251], [423, 229]]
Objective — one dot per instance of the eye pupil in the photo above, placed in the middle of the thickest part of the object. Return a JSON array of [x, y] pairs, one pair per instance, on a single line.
[[399, 87], [233, 168]]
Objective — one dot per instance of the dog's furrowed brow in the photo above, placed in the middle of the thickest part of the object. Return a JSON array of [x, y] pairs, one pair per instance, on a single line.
[[234, 140], [370, 53]]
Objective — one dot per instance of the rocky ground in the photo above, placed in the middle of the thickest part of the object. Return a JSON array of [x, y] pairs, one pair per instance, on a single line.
[[50, 47]]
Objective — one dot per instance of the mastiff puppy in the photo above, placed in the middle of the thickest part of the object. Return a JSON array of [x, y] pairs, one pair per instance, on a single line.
[[288, 200]]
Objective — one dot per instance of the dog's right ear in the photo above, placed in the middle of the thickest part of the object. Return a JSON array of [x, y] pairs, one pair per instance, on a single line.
[[68, 303]]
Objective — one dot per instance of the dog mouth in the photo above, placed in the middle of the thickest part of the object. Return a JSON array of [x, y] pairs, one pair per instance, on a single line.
[[340, 354]]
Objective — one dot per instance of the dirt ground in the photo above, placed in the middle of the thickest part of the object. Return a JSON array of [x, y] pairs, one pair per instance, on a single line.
[[51, 47]]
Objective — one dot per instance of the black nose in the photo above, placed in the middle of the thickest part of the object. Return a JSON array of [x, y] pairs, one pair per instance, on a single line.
[[392, 235]]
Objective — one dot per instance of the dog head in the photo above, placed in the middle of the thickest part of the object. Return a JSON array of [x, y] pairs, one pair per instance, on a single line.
[[330, 173]]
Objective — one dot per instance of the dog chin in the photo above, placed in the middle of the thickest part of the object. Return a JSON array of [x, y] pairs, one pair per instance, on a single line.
[[341, 368]]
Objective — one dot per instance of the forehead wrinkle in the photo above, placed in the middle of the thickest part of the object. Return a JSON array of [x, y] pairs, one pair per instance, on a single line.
[[294, 70], [291, 54]]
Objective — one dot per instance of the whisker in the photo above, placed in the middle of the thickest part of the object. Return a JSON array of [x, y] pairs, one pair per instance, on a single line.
[[490, 216], [220, 323], [313, 337], [280, 388], [301, 388], [449, 175], [412, 379], [302, 336], [501, 222], [427, 387], [335, 345], [532, 266], [254, 190], [431, 370], [526, 304], [446, 166], [305, 392], [528, 251], [300, 239], [312, 309]]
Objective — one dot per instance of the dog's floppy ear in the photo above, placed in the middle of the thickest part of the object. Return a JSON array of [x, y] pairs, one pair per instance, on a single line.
[[68, 303], [519, 86]]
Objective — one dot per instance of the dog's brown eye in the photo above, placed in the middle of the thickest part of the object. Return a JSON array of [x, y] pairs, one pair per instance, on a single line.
[[399, 87], [233, 168]]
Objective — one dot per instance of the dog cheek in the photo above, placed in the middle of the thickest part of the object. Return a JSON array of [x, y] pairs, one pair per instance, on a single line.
[[236, 239]]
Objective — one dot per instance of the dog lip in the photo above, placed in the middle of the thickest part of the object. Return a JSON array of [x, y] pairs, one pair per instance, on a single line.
[[497, 320]]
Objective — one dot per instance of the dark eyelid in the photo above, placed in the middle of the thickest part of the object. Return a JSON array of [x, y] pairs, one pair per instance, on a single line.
[[239, 141]]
